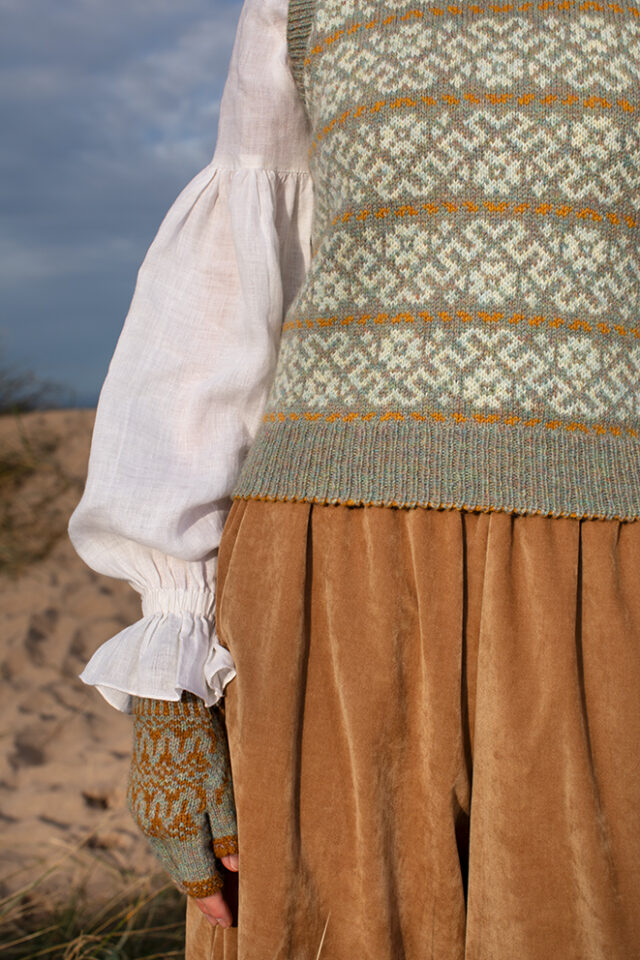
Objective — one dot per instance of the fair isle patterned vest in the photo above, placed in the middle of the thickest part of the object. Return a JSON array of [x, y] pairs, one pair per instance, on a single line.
[[468, 332]]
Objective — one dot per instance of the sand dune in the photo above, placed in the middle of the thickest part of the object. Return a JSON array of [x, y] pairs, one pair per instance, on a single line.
[[63, 751]]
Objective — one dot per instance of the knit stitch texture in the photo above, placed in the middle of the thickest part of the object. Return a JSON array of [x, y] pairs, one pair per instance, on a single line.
[[180, 790], [468, 334]]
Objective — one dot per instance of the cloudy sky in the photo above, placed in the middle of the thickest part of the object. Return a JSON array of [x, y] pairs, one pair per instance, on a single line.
[[108, 109]]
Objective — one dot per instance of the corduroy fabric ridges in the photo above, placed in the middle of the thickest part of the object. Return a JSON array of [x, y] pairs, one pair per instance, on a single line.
[[468, 332]]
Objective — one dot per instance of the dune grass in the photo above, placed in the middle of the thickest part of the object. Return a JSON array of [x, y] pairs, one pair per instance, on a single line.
[[22, 390], [31, 518], [144, 919], [30, 525], [139, 925]]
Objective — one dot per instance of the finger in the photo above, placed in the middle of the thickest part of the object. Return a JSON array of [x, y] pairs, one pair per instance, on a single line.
[[215, 908], [231, 861]]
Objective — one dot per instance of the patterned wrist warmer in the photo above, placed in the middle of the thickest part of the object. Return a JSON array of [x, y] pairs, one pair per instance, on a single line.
[[180, 790]]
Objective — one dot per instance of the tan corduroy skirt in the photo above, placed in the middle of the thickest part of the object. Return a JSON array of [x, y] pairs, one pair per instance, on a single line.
[[434, 733]]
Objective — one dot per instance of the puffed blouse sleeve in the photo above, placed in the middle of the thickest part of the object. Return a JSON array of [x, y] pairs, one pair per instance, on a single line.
[[187, 384]]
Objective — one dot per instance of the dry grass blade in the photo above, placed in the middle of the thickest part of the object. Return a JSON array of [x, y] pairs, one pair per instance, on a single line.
[[323, 936], [27, 937]]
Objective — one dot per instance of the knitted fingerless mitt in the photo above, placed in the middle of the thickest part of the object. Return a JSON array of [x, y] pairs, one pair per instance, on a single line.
[[180, 789]]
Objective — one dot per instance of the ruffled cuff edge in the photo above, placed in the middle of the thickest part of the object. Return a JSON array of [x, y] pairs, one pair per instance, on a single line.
[[160, 656]]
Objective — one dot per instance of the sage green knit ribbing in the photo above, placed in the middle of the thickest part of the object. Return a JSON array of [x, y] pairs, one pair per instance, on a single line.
[[468, 332], [300, 16]]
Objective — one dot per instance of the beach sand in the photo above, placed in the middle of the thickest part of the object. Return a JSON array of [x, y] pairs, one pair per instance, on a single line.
[[64, 752]]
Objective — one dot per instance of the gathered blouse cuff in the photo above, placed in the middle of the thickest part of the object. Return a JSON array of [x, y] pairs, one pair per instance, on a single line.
[[172, 648]]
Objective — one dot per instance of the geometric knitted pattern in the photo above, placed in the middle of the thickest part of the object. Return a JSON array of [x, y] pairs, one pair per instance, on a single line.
[[468, 331], [180, 790]]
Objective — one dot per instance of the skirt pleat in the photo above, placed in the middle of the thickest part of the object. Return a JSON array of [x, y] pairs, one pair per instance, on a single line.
[[434, 733]]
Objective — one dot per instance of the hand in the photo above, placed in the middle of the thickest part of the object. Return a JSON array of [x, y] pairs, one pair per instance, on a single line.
[[215, 908], [180, 791]]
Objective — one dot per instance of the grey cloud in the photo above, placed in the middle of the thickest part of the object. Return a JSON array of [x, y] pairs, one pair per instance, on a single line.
[[107, 111]]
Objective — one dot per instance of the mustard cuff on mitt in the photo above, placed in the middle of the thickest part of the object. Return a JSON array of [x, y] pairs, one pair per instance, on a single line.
[[180, 789]]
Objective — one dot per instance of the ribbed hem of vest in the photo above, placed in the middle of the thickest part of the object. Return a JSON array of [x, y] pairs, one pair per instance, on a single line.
[[467, 466]]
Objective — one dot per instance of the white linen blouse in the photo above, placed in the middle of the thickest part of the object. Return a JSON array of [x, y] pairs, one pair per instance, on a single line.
[[187, 384]]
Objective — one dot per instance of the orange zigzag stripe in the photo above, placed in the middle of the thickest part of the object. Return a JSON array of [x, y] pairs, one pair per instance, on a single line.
[[466, 317], [544, 209], [511, 420], [592, 102]]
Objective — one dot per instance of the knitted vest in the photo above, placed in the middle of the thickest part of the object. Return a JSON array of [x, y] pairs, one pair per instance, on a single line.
[[468, 332]]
